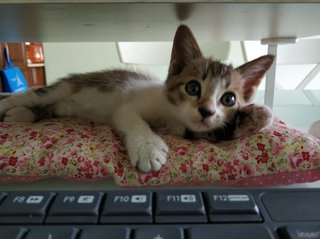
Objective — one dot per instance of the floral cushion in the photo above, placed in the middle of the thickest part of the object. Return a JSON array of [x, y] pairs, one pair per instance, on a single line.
[[80, 150]]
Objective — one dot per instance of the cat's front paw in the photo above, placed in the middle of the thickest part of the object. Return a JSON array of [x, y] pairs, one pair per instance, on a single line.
[[19, 114], [147, 152], [4, 105], [251, 119], [260, 115]]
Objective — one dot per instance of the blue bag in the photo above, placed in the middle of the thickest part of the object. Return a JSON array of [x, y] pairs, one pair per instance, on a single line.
[[13, 79]]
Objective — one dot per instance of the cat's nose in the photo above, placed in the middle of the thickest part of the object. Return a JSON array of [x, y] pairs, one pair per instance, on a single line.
[[205, 112]]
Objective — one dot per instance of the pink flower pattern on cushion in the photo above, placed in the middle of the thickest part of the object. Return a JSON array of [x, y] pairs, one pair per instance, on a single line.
[[80, 150]]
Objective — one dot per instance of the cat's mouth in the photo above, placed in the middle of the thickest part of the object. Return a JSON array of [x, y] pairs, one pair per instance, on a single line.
[[205, 123]]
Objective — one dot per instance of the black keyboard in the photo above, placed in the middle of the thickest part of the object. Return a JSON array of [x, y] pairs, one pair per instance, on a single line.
[[161, 214]]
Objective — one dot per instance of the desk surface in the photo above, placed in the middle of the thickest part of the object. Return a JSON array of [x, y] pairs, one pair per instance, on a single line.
[[105, 20], [60, 184]]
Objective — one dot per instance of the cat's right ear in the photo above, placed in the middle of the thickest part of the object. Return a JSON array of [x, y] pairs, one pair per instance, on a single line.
[[252, 73], [185, 49]]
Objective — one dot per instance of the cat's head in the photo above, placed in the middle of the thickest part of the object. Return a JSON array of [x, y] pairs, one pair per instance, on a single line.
[[208, 93]]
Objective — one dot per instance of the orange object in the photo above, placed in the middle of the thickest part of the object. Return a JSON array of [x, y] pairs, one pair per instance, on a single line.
[[35, 53]]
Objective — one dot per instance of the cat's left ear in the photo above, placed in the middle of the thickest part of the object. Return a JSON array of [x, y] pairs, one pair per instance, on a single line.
[[185, 49], [252, 73]]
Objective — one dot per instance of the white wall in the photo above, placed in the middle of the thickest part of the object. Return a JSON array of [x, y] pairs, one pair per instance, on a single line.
[[77, 57], [62, 59]]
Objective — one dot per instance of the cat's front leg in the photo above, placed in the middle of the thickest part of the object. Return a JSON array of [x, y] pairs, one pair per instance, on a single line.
[[146, 150], [251, 119]]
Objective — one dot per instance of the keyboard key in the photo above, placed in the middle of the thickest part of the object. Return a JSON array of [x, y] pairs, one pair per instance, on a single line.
[[26, 208], [230, 231], [127, 207], [226, 206], [159, 233], [52, 232], [180, 207], [75, 207], [7, 232], [300, 232], [105, 232], [292, 206]]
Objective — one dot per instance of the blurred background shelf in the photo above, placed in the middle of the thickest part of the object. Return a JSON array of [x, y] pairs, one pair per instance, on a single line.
[[33, 73]]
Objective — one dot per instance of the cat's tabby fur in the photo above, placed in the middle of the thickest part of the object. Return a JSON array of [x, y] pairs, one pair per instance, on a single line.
[[199, 95]]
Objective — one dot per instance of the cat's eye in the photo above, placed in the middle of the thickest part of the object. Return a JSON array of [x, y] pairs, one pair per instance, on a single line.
[[228, 99], [193, 88]]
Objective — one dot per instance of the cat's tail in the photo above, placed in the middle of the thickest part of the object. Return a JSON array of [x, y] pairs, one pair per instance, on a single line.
[[23, 106]]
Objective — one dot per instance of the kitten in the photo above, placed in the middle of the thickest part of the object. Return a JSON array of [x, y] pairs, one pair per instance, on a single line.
[[200, 94]]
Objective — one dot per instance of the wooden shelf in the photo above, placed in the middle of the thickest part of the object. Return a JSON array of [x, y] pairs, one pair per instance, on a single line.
[[35, 65], [110, 21], [33, 73]]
